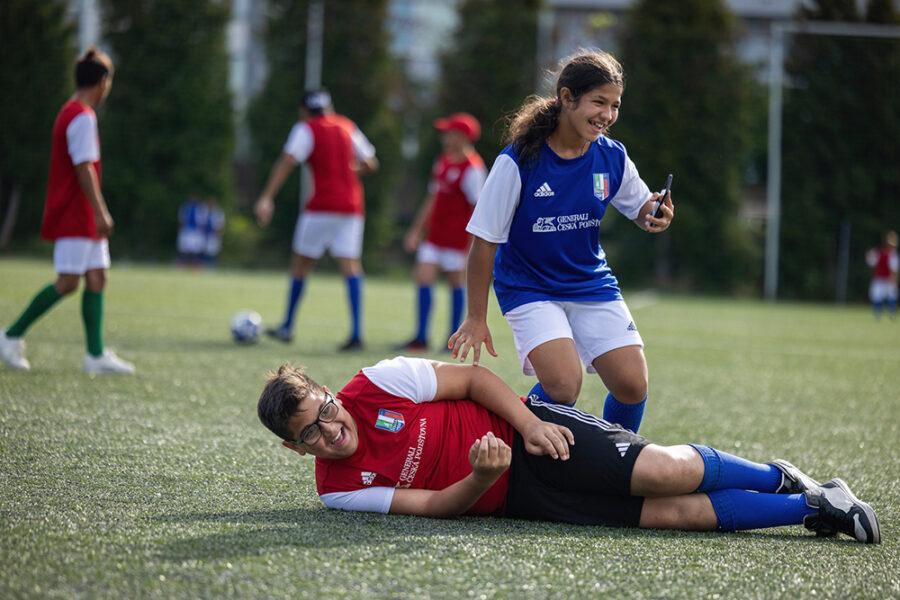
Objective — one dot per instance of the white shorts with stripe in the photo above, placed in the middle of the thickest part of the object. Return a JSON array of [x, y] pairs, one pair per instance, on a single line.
[[448, 259], [595, 327], [77, 255], [339, 233]]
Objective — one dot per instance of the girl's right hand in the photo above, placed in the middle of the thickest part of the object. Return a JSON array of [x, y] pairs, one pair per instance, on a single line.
[[470, 335]]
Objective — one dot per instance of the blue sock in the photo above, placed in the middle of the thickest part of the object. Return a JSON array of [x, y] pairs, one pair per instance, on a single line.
[[354, 295], [876, 307], [538, 391], [294, 294], [628, 416], [742, 509], [424, 312], [457, 300], [892, 307], [723, 471]]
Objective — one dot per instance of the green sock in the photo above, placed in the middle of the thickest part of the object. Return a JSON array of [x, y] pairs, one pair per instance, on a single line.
[[40, 304], [92, 314]]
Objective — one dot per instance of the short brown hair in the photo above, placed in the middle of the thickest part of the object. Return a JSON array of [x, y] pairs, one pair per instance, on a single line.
[[282, 394]]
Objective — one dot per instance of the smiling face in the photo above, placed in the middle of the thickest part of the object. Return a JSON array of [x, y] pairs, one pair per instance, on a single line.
[[339, 438], [594, 112]]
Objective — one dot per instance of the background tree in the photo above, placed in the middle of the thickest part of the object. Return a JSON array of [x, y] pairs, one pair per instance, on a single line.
[[489, 69], [357, 70], [684, 112], [168, 129], [841, 157], [36, 76]]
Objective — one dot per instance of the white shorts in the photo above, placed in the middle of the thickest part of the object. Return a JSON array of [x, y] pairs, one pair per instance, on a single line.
[[339, 233], [447, 259], [77, 255], [596, 328], [191, 241], [881, 290]]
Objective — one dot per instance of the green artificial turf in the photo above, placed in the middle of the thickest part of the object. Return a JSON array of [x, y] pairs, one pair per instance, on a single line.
[[166, 485]]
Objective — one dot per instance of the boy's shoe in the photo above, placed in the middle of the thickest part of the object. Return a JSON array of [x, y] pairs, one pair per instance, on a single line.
[[414, 345], [351, 345], [281, 334], [12, 352], [793, 480], [107, 362], [839, 510]]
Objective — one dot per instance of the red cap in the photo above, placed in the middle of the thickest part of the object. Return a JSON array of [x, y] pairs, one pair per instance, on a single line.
[[463, 122]]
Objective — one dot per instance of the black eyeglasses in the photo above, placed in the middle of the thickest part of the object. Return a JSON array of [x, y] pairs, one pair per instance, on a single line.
[[328, 413]]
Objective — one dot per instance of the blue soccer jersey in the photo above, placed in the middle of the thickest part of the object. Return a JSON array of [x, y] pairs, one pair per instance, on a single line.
[[545, 217]]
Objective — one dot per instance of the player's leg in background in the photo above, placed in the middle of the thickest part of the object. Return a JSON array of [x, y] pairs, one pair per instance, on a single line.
[[892, 301], [876, 297], [301, 267], [351, 269], [12, 346], [424, 274], [457, 282], [92, 310], [624, 373]]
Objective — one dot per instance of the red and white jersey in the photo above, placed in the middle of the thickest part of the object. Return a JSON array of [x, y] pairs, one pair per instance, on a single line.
[[455, 186], [75, 140], [332, 145], [884, 263], [407, 439]]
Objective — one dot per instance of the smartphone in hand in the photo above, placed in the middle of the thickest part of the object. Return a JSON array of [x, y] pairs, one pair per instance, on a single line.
[[662, 197]]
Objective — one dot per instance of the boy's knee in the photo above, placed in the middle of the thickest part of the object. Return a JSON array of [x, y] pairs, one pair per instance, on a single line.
[[65, 285]]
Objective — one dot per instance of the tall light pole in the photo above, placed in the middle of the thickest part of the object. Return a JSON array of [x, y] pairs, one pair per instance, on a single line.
[[315, 26]]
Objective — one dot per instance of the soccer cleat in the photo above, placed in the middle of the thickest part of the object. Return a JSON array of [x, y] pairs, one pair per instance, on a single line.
[[351, 345], [107, 363], [414, 345], [12, 352], [281, 334], [840, 511], [793, 480]]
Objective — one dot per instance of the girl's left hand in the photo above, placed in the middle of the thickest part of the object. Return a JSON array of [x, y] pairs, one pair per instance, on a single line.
[[660, 224]]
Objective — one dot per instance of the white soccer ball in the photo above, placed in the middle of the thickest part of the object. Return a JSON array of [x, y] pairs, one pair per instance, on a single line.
[[246, 326]]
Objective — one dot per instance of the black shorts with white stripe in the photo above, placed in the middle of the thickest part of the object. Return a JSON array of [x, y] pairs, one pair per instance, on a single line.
[[591, 488]]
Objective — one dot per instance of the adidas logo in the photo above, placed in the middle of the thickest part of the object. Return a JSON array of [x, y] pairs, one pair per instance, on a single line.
[[631, 327], [543, 191], [622, 447]]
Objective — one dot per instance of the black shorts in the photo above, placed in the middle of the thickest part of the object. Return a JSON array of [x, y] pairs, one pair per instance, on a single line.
[[591, 488]]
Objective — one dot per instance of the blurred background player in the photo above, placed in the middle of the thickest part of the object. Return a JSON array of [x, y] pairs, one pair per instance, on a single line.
[[456, 180], [191, 235], [885, 265], [76, 219], [337, 152], [213, 230], [537, 223]]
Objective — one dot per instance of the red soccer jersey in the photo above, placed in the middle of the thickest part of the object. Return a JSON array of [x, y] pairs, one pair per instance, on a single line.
[[883, 267], [336, 185], [67, 211], [405, 444], [452, 209]]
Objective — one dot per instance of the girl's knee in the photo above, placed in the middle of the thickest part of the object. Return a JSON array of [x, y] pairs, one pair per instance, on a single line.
[[562, 389]]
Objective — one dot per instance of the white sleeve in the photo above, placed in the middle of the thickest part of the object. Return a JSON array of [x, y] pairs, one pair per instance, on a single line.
[[362, 147], [300, 142], [472, 182], [497, 202], [894, 262], [81, 136], [633, 192], [375, 499], [410, 378]]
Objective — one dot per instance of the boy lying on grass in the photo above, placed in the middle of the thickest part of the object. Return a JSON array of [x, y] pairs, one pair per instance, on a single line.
[[419, 437]]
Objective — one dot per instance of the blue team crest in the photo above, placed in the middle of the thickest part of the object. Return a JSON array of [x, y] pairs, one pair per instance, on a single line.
[[389, 420], [601, 185]]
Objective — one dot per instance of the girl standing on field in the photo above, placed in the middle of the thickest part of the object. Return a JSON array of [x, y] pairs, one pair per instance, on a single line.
[[537, 223]]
